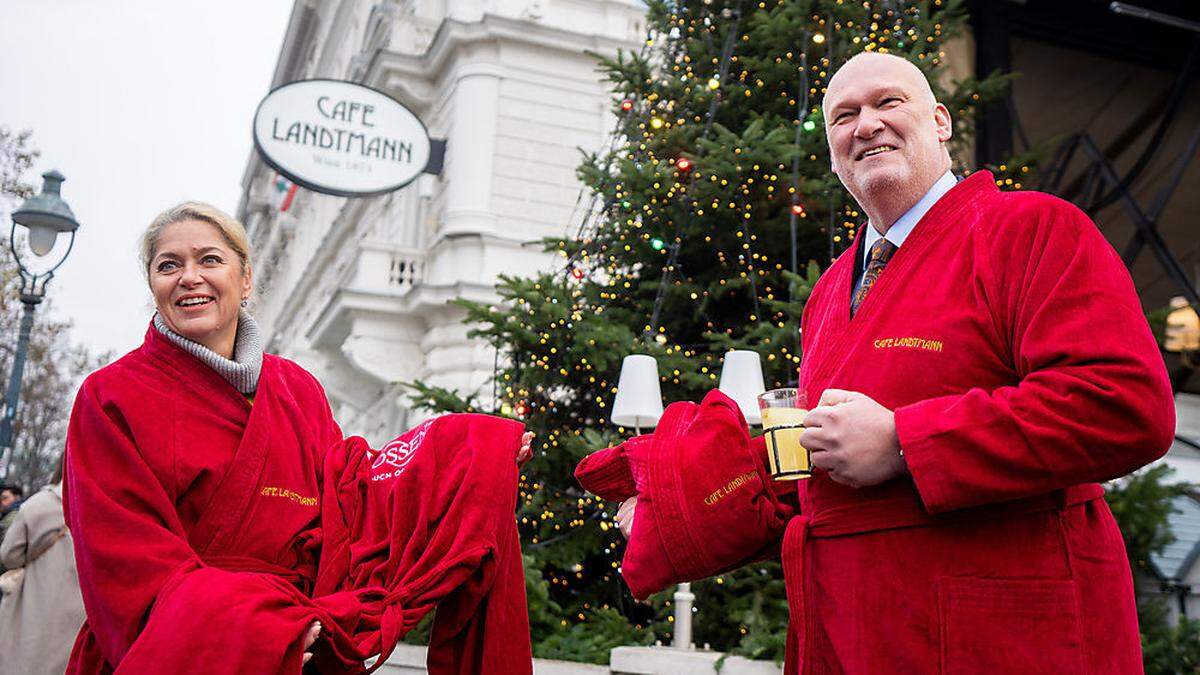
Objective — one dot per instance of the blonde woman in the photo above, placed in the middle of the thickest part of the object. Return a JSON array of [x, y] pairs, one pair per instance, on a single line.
[[194, 451]]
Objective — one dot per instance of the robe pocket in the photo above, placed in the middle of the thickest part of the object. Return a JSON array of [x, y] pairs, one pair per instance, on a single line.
[[1009, 626]]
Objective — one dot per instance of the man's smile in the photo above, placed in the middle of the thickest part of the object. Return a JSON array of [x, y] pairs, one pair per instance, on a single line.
[[877, 150]]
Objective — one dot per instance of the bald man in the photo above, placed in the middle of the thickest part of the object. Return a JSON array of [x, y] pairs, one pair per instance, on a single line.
[[981, 363]]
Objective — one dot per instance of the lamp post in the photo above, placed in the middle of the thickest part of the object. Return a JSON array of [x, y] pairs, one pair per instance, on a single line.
[[41, 219]]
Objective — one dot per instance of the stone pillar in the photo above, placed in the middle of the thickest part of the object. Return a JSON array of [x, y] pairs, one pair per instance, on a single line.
[[470, 151]]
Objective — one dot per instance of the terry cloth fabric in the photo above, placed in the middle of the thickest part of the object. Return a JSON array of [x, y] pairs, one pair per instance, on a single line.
[[706, 502], [428, 521], [199, 522], [243, 370], [997, 553], [174, 483]]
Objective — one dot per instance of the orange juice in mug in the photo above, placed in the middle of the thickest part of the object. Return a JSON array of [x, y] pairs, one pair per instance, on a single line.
[[783, 413]]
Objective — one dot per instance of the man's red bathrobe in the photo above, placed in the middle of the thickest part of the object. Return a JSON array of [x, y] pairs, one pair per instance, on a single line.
[[200, 522], [1007, 337]]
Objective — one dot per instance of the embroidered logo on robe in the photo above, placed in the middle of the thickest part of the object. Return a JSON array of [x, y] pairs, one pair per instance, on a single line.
[[729, 488], [909, 343], [290, 495], [392, 458]]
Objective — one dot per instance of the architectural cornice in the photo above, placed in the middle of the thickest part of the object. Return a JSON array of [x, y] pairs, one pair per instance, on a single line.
[[413, 77], [336, 319]]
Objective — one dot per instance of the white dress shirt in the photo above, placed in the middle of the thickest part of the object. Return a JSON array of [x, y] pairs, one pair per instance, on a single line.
[[904, 225]]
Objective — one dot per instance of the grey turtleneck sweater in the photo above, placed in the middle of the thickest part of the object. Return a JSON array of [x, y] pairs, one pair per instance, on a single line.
[[243, 370]]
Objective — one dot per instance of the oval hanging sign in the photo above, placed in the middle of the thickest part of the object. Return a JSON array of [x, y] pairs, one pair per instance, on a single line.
[[340, 138]]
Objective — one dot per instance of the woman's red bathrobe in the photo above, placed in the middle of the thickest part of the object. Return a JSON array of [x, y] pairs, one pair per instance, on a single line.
[[1007, 337], [173, 477], [200, 522]]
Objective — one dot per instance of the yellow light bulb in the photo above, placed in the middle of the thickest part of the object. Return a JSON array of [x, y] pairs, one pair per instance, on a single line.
[[656, 123]]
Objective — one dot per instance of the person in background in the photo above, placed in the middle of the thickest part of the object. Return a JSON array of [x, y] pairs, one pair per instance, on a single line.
[[42, 613], [11, 497]]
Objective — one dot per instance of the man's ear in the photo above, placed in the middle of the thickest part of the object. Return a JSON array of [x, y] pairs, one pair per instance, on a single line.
[[941, 120]]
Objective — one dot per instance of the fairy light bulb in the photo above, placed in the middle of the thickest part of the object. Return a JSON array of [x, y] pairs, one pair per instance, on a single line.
[[656, 123]]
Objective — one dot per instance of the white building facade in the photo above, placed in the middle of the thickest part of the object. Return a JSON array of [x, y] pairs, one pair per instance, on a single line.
[[357, 289]]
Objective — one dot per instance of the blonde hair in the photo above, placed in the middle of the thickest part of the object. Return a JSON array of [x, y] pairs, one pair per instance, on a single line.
[[231, 230]]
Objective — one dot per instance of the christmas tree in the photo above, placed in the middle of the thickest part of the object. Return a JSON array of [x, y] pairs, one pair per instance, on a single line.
[[711, 215]]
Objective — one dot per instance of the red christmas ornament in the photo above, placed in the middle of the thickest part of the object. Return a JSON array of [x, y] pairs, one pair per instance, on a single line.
[[577, 273], [521, 409], [683, 164], [627, 105]]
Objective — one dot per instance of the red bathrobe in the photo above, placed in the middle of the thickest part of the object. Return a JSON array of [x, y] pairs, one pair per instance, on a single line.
[[1007, 337], [428, 520], [199, 523], [172, 478]]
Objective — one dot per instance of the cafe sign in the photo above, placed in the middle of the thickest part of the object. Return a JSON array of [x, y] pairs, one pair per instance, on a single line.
[[342, 138]]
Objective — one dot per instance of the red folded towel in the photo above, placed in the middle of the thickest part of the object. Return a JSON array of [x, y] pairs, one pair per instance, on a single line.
[[705, 500]]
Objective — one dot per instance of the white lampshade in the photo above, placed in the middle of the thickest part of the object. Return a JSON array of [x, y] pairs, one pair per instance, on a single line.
[[742, 381], [639, 399]]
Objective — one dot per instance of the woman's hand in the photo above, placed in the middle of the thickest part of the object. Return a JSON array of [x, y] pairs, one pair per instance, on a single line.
[[310, 638], [526, 452]]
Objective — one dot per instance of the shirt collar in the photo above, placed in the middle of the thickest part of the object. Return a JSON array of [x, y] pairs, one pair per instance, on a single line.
[[903, 226]]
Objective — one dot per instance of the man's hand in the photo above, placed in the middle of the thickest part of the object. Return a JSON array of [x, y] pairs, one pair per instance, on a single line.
[[624, 516], [854, 439]]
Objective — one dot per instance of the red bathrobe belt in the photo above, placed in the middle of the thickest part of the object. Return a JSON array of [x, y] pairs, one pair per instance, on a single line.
[[378, 606], [302, 577], [875, 516]]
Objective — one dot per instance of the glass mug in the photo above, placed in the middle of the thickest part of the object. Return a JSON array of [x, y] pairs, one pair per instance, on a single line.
[[783, 413]]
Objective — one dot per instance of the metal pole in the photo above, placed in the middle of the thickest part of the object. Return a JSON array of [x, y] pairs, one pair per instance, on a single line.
[[14, 381], [683, 617]]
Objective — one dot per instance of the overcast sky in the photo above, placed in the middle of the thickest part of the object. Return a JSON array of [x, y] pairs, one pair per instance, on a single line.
[[141, 104]]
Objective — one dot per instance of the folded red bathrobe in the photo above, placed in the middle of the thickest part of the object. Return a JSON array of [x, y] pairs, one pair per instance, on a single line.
[[699, 473], [200, 522], [1006, 336], [428, 521]]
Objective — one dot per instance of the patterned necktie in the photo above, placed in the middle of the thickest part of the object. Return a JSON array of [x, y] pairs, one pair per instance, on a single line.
[[881, 252]]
